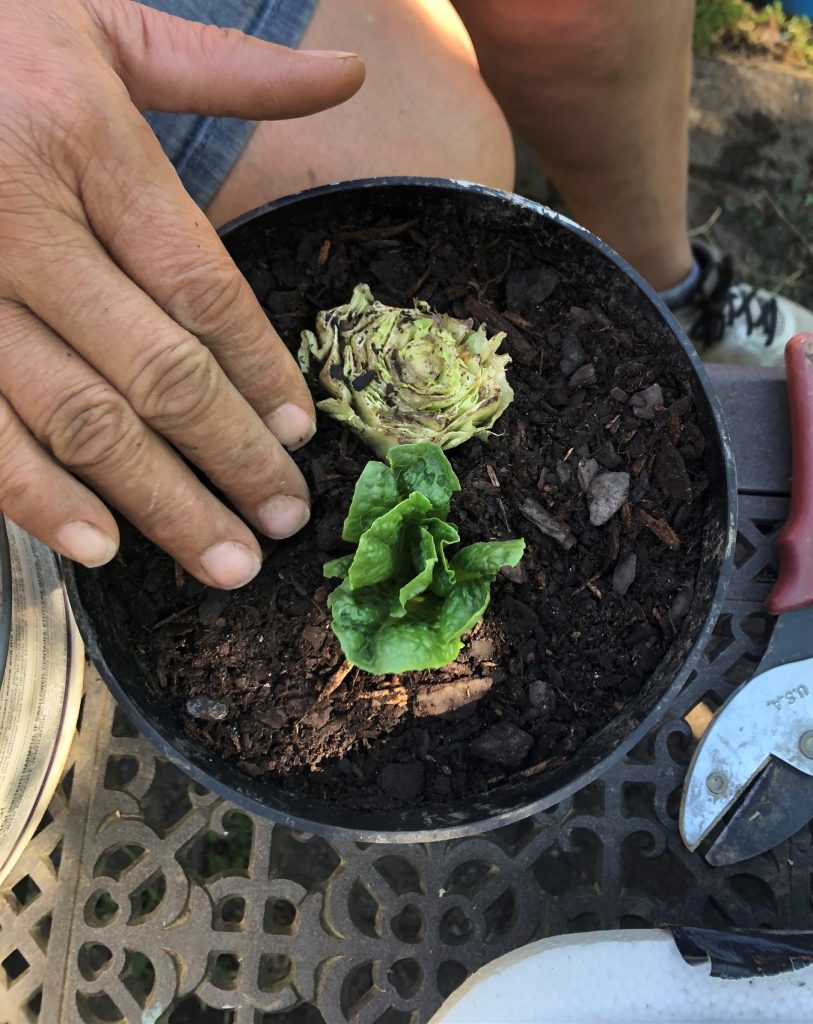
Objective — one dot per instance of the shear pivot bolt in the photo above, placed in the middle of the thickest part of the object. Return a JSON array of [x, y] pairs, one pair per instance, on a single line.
[[806, 743], [716, 783]]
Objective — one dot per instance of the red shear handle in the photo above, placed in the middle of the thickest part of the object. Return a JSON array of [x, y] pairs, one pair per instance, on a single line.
[[794, 588]]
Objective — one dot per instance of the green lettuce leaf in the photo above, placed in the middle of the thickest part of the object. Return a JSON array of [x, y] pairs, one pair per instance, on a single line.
[[403, 605], [376, 493], [425, 558], [443, 535], [338, 568], [382, 644], [485, 559], [423, 467], [383, 551]]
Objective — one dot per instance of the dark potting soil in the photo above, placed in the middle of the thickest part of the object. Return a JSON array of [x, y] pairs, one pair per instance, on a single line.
[[600, 427]]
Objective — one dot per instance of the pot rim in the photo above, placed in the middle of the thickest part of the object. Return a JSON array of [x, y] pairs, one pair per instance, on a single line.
[[502, 816]]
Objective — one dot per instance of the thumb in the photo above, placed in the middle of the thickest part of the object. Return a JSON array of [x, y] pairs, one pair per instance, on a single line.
[[171, 64]]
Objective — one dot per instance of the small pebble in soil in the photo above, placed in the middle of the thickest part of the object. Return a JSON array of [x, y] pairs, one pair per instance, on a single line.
[[207, 709], [515, 573], [504, 744], [680, 606], [563, 472], [624, 573], [404, 781], [644, 403], [671, 475], [608, 457], [547, 524], [584, 375], [573, 354], [541, 695], [212, 606], [586, 471], [525, 290], [607, 493]]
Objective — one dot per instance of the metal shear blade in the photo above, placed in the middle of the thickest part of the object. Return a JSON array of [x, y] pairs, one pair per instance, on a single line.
[[763, 736], [776, 806]]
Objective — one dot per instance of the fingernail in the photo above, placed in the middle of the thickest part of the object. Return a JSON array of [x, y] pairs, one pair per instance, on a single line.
[[291, 425], [283, 515], [331, 54], [86, 543], [230, 564]]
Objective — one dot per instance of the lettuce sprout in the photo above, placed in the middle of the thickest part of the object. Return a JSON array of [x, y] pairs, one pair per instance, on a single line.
[[404, 603]]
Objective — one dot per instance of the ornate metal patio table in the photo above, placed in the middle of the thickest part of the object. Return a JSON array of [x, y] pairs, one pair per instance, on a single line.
[[143, 897]]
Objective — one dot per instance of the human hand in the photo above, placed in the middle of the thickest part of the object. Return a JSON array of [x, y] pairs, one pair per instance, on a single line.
[[125, 329]]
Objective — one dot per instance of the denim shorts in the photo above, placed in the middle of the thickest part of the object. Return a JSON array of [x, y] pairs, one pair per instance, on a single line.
[[204, 149]]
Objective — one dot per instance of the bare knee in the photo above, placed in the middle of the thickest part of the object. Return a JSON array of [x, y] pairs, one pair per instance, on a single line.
[[473, 139], [429, 115], [424, 100], [581, 36]]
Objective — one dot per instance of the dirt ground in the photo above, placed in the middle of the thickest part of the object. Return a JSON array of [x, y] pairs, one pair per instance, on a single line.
[[751, 192]]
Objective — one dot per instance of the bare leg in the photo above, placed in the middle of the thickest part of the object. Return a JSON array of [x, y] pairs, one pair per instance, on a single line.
[[600, 90], [424, 109]]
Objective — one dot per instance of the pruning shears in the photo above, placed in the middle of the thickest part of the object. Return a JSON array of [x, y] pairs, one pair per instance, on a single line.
[[750, 783]]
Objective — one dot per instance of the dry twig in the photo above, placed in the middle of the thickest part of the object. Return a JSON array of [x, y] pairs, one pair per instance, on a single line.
[[709, 224], [662, 530], [335, 680]]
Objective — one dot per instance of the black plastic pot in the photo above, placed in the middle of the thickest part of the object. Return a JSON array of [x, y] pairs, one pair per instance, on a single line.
[[357, 204]]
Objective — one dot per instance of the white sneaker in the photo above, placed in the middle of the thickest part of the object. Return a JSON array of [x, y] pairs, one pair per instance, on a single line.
[[736, 323]]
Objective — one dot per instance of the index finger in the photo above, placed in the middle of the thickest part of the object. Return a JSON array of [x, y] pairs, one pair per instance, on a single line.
[[133, 194]]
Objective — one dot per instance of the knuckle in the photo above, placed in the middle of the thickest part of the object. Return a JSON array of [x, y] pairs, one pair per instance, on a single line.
[[209, 299], [64, 117], [45, 144], [92, 427], [177, 387], [56, 104]]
